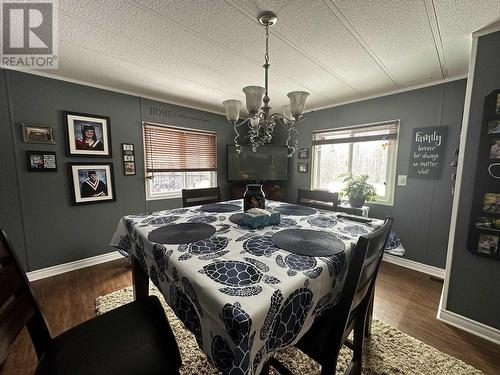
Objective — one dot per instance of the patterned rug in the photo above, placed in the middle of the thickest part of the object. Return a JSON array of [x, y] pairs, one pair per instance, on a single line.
[[388, 351]]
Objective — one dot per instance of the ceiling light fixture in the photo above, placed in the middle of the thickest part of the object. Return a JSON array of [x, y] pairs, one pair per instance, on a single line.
[[261, 121]]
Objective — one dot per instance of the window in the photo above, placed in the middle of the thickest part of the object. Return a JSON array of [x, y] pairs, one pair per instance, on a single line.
[[366, 149], [178, 159]]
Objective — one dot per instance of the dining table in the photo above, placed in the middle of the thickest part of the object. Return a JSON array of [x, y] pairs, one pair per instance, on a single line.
[[244, 293]]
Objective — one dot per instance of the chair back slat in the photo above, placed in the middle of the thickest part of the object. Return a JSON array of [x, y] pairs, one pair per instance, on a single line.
[[18, 306], [195, 197], [14, 315], [318, 199]]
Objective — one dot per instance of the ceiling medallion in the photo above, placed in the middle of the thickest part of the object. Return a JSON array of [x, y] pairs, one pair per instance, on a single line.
[[261, 121]]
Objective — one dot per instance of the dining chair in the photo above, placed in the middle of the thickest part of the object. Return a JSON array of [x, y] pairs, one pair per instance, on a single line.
[[318, 199], [132, 339], [323, 341], [195, 197]]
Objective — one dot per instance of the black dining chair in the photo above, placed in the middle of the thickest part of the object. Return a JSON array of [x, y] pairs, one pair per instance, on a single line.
[[323, 341], [195, 197], [132, 339], [318, 199]]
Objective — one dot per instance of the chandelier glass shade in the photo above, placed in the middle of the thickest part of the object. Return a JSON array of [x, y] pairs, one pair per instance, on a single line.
[[260, 119]]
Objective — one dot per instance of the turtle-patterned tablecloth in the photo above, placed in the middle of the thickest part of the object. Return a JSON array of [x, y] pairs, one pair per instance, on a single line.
[[240, 295]]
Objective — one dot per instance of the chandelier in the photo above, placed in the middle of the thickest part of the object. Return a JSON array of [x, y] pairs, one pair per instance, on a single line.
[[261, 121]]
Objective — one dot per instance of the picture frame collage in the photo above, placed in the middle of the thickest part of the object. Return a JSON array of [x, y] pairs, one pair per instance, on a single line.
[[484, 235], [303, 166], [128, 156]]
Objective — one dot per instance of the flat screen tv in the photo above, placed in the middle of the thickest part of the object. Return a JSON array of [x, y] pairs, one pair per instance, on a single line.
[[269, 163]]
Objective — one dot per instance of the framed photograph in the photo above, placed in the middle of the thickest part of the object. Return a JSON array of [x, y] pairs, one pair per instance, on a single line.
[[491, 203], [303, 167], [38, 134], [497, 105], [88, 135], [495, 149], [127, 147], [91, 183], [494, 127], [41, 161], [488, 223], [304, 153], [487, 244], [128, 157], [129, 168]]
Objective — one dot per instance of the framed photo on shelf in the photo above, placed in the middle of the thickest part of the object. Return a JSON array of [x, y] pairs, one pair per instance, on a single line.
[[304, 153], [91, 183], [88, 135], [41, 161], [303, 167], [38, 133]]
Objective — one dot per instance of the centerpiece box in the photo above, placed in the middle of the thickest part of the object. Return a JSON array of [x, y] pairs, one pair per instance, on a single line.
[[258, 218]]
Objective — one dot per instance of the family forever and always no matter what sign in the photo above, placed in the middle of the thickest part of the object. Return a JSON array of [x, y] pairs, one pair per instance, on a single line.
[[426, 159]]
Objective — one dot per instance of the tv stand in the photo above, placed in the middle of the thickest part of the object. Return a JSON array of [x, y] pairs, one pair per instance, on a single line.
[[273, 192]]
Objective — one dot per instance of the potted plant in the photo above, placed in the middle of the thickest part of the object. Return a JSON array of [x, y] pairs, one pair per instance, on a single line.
[[357, 189]]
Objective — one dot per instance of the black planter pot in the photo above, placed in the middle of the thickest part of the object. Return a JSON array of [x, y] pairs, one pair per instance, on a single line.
[[357, 202], [254, 197]]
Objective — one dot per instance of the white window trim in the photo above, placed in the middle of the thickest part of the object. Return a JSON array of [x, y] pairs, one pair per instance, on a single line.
[[147, 181], [391, 161]]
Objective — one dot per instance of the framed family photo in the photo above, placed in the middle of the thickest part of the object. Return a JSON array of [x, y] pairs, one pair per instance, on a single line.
[[304, 153], [91, 183], [88, 135], [38, 134], [41, 161]]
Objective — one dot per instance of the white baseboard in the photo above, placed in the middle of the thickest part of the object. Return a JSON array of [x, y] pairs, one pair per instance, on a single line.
[[416, 266], [469, 325], [71, 266]]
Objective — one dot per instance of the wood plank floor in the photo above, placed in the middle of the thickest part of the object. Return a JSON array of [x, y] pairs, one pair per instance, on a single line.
[[405, 299]]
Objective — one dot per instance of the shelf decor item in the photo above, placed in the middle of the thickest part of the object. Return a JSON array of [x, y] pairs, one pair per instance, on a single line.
[[88, 135], [254, 197], [357, 189]]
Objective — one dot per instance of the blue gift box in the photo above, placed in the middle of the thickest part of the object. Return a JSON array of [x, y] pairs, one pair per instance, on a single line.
[[257, 218]]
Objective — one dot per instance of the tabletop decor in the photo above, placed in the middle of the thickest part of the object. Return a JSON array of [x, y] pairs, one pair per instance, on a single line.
[[357, 189], [38, 133], [259, 218], [241, 296], [88, 135], [254, 197], [91, 183], [181, 233], [41, 161], [261, 120]]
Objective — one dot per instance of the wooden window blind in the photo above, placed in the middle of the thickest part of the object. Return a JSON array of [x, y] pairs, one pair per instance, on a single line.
[[178, 150], [365, 133]]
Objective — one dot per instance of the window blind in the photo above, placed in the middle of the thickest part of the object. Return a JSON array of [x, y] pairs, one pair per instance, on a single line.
[[178, 150], [365, 133]]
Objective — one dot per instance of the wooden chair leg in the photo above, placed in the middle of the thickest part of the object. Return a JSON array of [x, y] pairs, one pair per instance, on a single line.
[[140, 280], [369, 316], [265, 369], [355, 365]]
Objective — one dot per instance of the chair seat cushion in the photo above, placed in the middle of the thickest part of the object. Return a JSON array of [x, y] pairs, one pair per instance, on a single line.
[[132, 339]]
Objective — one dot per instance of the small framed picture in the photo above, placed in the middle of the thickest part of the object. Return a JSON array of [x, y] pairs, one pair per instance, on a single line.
[[41, 161], [487, 244], [491, 203], [129, 168], [497, 105], [488, 223], [303, 167], [88, 135], [304, 153], [127, 147], [494, 127], [91, 183], [495, 149], [128, 157], [38, 134]]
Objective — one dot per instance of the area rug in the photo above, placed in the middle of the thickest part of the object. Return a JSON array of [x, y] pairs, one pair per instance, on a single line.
[[388, 351]]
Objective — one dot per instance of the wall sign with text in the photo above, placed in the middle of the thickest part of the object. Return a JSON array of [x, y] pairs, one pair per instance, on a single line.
[[427, 152]]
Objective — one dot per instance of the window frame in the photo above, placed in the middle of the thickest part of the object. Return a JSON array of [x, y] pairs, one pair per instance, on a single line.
[[392, 160], [174, 194]]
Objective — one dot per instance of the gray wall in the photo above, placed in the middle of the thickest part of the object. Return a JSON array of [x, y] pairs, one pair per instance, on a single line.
[[36, 207], [474, 281], [421, 209]]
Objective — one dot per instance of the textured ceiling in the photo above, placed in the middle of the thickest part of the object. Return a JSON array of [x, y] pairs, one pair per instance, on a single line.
[[199, 53]]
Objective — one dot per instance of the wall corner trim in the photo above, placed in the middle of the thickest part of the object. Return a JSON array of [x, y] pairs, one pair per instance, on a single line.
[[416, 266], [468, 325], [72, 266]]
